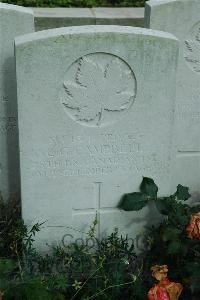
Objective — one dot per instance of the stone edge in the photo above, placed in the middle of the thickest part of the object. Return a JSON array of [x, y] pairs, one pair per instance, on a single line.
[[160, 2], [95, 12], [91, 29], [16, 8], [153, 4]]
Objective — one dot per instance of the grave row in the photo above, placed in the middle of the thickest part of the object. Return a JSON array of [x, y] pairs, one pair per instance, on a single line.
[[90, 110]]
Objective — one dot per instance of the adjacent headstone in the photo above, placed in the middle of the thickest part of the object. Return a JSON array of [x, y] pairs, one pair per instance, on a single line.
[[14, 20], [95, 115], [182, 18], [48, 18]]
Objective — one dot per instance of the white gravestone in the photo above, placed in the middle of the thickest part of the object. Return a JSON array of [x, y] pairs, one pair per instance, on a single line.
[[95, 115], [14, 21], [182, 18]]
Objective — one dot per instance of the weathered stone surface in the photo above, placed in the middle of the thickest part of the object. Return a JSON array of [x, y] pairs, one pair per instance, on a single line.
[[182, 18], [119, 16], [48, 18], [14, 20], [186, 171], [95, 115]]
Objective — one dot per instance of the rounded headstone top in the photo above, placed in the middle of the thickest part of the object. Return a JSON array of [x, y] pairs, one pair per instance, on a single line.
[[92, 29], [17, 8]]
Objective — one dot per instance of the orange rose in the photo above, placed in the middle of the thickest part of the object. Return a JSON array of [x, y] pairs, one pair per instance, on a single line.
[[159, 272], [193, 229], [165, 289]]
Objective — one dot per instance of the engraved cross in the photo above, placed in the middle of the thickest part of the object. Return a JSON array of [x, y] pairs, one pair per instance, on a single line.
[[97, 209]]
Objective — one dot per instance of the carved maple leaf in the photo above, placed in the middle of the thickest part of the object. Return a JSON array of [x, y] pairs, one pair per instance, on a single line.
[[193, 52], [98, 88]]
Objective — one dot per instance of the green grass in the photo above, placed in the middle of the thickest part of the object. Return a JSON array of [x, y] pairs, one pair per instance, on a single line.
[[78, 3]]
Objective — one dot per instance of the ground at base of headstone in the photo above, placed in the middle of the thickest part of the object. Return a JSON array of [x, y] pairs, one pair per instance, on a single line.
[[109, 268]]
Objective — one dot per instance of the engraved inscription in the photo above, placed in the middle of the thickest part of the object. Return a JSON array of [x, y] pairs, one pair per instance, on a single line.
[[188, 111], [98, 89], [8, 124], [86, 156], [3, 99], [89, 156], [192, 48]]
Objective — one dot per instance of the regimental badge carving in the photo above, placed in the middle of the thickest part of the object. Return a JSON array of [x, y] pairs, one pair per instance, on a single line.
[[192, 48], [98, 89]]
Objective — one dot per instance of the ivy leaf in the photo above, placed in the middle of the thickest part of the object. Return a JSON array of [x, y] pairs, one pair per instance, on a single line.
[[133, 201], [149, 187], [182, 192], [163, 205]]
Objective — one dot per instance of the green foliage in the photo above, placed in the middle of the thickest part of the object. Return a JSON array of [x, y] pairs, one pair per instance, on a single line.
[[137, 200], [9, 222], [133, 201], [148, 187], [168, 243], [78, 3], [111, 269], [182, 192]]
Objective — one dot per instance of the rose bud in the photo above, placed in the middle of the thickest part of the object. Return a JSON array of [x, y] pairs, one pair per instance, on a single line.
[[193, 229]]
